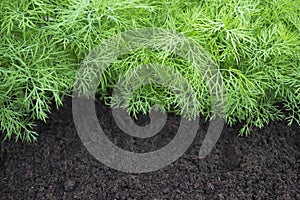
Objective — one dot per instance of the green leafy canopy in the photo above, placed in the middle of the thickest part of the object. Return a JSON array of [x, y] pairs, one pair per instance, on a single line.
[[255, 44]]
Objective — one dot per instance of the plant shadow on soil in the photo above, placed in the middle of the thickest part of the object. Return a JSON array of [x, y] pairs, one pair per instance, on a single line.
[[264, 165]]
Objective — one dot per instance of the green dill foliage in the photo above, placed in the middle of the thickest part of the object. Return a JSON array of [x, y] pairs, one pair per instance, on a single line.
[[255, 44], [34, 70]]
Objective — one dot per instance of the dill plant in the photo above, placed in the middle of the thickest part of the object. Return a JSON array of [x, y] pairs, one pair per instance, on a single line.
[[255, 44]]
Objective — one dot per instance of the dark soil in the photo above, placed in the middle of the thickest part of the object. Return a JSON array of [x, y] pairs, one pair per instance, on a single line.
[[264, 165]]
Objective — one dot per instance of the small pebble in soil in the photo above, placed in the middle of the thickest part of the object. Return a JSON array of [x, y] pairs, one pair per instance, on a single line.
[[69, 185], [165, 190]]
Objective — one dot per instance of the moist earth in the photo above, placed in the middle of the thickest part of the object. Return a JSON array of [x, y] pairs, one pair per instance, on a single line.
[[264, 165]]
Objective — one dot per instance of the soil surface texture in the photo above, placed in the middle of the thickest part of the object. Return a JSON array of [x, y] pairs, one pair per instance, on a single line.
[[264, 165]]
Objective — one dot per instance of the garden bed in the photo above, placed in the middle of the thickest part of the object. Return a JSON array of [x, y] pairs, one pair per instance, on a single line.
[[51, 50], [264, 165]]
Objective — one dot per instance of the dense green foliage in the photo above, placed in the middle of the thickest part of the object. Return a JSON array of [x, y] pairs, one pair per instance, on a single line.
[[255, 44]]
